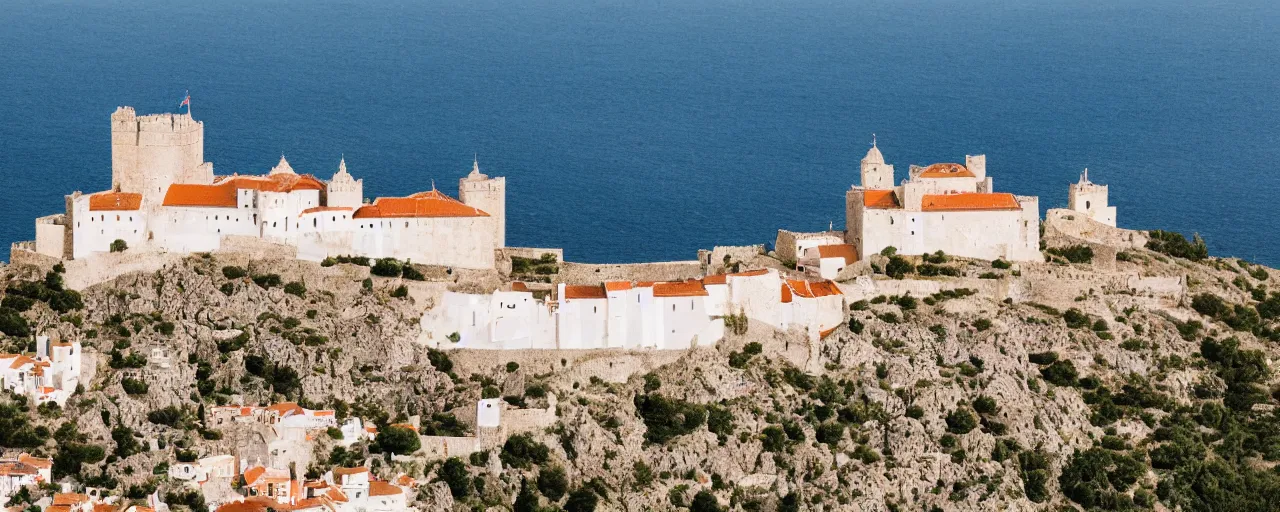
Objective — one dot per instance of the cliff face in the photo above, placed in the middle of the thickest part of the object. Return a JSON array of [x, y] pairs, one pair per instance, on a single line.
[[1095, 388]]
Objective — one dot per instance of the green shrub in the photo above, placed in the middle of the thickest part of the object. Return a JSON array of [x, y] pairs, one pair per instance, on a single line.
[[400, 292], [386, 267], [1176, 245], [296, 288], [1074, 253], [898, 267], [398, 440], [1001, 264], [521, 451], [961, 421], [667, 418], [267, 281], [234, 272], [119, 245], [1061, 373], [455, 475], [133, 386], [553, 483]]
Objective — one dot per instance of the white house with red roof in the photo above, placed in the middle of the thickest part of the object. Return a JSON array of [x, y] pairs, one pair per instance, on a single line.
[[165, 198], [51, 375], [942, 207], [673, 315], [826, 260], [21, 472]]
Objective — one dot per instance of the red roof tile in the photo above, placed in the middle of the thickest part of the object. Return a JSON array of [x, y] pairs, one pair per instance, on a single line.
[[879, 199], [969, 202], [715, 279], [377, 488], [946, 171], [584, 292], [114, 201], [617, 286], [838, 251], [422, 204], [518, 286], [186, 194], [689, 288], [318, 209]]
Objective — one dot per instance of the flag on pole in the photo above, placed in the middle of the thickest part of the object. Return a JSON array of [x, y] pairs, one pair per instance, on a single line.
[[186, 102]]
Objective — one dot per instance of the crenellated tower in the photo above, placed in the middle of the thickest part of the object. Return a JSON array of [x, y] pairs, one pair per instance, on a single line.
[[488, 194], [1091, 199], [151, 152]]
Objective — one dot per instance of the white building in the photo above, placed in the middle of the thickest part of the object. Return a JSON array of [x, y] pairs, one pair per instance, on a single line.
[[826, 261], [21, 472], [51, 376], [943, 207], [165, 198], [644, 315], [1091, 199]]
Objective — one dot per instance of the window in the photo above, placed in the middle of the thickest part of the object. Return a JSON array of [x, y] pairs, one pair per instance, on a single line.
[[1086, 205], [891, 221], [315, 222], [673, 307], [593, 309]]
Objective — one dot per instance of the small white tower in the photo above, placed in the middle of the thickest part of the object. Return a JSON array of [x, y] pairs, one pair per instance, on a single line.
[[876, 174], [1091, 199], [478, 190], [343, 190]]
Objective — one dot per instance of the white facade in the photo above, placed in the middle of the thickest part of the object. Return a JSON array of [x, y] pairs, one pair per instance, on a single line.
[[661, 316], [51, 376], [1091, 199], [165, 198], [943, 207]]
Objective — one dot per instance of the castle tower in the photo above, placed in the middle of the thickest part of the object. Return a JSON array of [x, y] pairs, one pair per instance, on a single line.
[[488, 194], [1091, 199], [149, 153], [343, 190], [876, 174]]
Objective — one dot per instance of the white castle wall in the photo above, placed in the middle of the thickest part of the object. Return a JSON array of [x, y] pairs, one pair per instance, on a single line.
[[490, 196], [51, 233], [465, 242], [95, 231]]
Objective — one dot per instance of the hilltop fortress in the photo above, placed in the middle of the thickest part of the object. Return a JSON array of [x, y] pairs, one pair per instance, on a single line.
[[165, 198]]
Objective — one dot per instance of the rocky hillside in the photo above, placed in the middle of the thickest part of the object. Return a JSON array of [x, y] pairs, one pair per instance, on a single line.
[[1108, 399]]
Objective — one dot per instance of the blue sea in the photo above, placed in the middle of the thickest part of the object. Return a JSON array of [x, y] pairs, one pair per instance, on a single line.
[[643, 130]]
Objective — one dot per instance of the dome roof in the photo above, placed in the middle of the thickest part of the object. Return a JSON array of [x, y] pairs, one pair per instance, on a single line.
[[873, 156]]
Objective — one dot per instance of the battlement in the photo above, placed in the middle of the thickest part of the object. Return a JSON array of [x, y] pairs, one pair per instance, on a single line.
[[126, 119]]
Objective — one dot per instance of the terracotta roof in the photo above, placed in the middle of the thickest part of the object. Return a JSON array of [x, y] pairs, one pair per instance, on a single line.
[[252, 474], [824, 334], [812, 289], [838, 251], [67, 498], [422, 204], [584, 292], [383, 489], [21, 361], [318, 209], [519, 286], [350, 471], [969, 202], [405, 426], [186, 194], [617, 286], [17, 469], [786, 293], [35, 461], [946, 171], [285, 408], [272, 182], [222, 193], [879, 199], [113, 201], [715, 279], [58, 508], [104, 507], [751, 273], [689, 288], [646, 284]]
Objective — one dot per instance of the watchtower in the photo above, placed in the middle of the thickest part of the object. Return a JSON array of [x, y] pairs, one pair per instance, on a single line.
[[478, 190], [149, 153]]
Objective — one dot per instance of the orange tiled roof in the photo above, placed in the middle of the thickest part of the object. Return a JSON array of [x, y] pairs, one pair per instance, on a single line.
[[584, 292], [812, 289], [112, 201], [879, 199], [252, 474], [824, 334], [946, 171], [378, 488], [21, 361], [285, 408], [969, 202], [67, 498], [519, 286], [58, 508], [751, 273], [617, 286], [317, 209], [187, 194], [688, 288], [17, 469], [405, 426], [838, 251], [282, 182], [786, 293], [350, 471], [715, 279], [104, 507], [35, 461], [423, 204]]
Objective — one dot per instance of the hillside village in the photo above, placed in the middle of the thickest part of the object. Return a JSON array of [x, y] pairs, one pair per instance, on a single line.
[[949, 351]]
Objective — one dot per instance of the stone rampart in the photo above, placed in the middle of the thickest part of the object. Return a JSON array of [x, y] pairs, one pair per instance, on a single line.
[[591, 273], [713, 261], [502, 255], [611, 365], [785, 245]]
